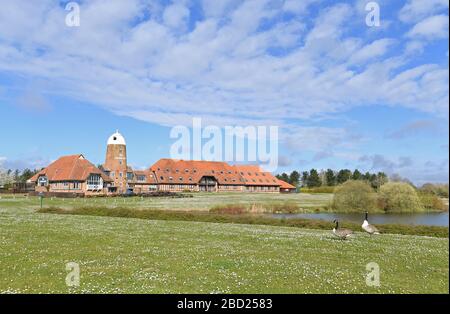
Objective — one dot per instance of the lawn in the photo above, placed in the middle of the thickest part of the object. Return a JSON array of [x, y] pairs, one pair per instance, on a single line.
[[199, 201], [148, 256]]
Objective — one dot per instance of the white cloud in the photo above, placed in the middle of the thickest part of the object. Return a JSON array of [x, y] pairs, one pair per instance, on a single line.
[[224, 70], [176, 16], [375, 49], [416, 10], [432, 27]]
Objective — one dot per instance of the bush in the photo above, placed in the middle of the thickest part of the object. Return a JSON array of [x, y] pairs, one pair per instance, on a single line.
[[321, 189], [440, 190], [232, 209], [399, 197], [355, 196], [431, 202]]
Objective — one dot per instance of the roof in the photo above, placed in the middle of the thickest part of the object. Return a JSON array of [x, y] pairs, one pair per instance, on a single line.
[[173, 171], [116, 139], [285, 185], [70, 168], [254, 175], [149, 177]]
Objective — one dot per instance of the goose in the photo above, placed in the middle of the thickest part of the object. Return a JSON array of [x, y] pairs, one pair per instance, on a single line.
[[341, 233], [370, 229]]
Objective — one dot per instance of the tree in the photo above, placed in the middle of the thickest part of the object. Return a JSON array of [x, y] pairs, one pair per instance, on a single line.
[[294, 178], [284, 176], [400, 197], [6, 178], [16, 175], [355, 196], [381, 178], [27, 174], [331, 177], [357, 175], [343, 176], [305, 176], [314, 179]]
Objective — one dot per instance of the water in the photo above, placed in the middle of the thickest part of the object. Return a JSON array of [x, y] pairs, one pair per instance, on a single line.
[[428, 219]]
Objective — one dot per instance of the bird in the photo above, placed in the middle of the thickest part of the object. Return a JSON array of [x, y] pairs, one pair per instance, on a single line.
[[341, 233], [370, 229]]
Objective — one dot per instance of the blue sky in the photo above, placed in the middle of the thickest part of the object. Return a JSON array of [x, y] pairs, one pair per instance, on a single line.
[[343, 94]]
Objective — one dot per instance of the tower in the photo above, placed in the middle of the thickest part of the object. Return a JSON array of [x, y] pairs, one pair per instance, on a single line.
[[116, 161]]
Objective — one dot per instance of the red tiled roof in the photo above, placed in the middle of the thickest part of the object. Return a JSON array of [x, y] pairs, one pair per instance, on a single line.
[[149, 177], [285, 185], [70, 168], [171, 171], [254, 175]]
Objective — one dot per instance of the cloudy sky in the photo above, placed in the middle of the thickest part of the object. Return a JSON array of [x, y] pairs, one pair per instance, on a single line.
[[343, 94]]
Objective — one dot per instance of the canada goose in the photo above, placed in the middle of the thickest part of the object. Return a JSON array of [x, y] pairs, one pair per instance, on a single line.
[[370, 229], [341, 233]]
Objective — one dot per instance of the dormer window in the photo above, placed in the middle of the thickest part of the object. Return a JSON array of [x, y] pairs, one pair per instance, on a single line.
[[42, 181]]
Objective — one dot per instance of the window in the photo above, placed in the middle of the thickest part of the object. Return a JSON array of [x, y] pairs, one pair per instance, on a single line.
[[120, 174], [141, 178], [76, 185], [94, 181], [161, 177], [42, 181], [112, 175], [181, 178], [120, 162]]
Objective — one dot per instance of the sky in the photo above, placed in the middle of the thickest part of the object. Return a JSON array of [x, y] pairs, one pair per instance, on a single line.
[[343, 93]]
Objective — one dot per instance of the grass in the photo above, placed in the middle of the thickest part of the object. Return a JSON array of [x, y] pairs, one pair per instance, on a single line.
[[118, 255], [161, 254], [200, 201], [237, 216]]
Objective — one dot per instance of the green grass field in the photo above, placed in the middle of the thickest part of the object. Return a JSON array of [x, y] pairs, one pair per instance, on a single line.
[[152, 256], [200, 201]]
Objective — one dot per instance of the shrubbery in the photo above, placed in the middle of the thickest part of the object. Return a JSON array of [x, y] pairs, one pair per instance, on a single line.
[[440, 190], [355, 196], [431, 201], [321, 189], [399, 197]]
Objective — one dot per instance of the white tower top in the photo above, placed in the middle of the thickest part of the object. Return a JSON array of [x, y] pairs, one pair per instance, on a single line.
[[116, 139]]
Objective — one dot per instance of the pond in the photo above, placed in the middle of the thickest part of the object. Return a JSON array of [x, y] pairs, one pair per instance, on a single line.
[[428, 219]]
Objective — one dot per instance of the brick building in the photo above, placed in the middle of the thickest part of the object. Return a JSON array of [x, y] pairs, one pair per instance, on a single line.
[[71, 174], [76, 174]]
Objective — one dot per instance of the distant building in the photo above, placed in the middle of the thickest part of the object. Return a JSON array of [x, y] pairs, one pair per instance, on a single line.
[[76, 174], [71, 174], [115, 165]]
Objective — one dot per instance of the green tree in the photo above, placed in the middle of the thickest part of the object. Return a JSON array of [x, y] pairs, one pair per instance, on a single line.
[[26, 174], [343, 176], [357, 175], [16, 176], [284, 176], [355, 196], [294, 178], [305, 176], [314, 179], [331, 177], [399, 197]]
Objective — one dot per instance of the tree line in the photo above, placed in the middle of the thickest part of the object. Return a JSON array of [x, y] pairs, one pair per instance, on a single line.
[[8, 177], [314, 178]]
